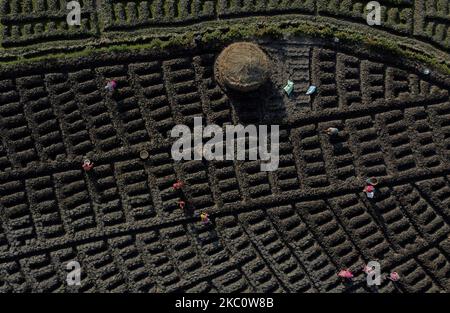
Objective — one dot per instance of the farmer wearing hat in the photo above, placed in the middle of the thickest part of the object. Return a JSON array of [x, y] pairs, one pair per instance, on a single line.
[[111, 85], [370, 191]]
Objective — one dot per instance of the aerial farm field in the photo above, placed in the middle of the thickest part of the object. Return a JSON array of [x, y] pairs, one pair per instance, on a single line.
[[386, 88]]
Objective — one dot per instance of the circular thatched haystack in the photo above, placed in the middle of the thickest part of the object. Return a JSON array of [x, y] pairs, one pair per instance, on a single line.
[[242, 66]]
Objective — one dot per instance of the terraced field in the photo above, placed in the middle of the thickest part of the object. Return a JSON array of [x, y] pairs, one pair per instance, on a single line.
[[290, 230]]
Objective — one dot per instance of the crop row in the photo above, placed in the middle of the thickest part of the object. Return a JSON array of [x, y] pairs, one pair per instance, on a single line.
[[393, 16], [27, 22], [124, 14], [29, 7], [435, 21], [427, 19]]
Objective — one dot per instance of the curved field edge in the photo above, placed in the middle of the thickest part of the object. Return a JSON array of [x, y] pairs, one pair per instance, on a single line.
[[31, 24], [374, 41]]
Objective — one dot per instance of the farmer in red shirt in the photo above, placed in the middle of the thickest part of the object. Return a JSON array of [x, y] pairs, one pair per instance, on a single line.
[[370, 191]]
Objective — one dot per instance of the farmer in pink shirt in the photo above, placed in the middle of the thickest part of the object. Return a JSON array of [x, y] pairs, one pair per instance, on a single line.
[[87, 165], [346, 274], [394, 276], [111, 85]]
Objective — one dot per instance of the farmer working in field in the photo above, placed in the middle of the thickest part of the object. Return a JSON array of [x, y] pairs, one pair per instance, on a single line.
[[204, 217], [111, 85], [87, 165], [370, 191], [332, 131]]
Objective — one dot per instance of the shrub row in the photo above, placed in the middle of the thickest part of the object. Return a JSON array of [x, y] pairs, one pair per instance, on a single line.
[[435, 23], [120, 15], [28, 22], [393, 16]]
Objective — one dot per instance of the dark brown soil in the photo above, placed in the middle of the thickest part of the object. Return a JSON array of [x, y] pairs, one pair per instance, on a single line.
[[291, 230]]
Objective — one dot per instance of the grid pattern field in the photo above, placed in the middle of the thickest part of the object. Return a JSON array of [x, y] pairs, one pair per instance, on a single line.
[[290, 230], [28, 22]]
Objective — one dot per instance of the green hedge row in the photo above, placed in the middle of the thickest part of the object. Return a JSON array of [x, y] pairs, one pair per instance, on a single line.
[[121, 15], [32, 21], [26, 22], [396, 15], [26, 9], [436, 25]]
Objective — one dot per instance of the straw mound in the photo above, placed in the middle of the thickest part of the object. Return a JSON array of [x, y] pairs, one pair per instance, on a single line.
[[242, 67]]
